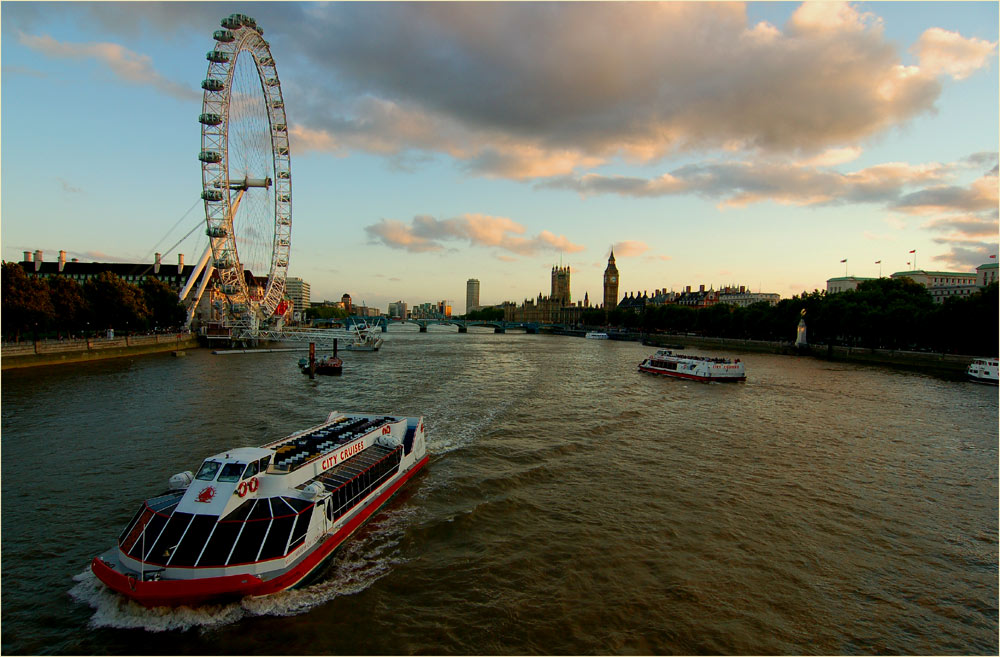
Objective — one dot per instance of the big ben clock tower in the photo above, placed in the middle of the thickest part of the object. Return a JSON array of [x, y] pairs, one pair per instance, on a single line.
[[611, 285]]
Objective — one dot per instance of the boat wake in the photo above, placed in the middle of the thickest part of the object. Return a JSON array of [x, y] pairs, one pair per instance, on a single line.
[[357, 565]]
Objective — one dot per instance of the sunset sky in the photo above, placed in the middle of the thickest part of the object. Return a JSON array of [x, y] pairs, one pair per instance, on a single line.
[[751, 144]]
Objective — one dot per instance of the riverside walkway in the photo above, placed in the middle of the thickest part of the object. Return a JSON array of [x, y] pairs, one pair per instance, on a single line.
[[54, 352]]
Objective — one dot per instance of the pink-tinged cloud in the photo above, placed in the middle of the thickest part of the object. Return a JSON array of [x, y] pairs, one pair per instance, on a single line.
[[981, 195], [425, 233], [966, 255], [659, 258], [965, 227], [738, 184], [630, 248], [941, 51], [128, 66]]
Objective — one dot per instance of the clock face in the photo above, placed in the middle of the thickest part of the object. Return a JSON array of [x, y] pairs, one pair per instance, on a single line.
[[613, 279]]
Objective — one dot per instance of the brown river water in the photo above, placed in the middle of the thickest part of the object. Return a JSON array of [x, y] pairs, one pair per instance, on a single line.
[[571, 506]]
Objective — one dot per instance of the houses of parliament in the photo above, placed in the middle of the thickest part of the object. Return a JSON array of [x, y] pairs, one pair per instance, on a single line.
[[558, 307]]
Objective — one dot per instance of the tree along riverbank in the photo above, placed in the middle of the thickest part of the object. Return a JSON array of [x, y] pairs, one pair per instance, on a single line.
[[56, 352], [936, 363]]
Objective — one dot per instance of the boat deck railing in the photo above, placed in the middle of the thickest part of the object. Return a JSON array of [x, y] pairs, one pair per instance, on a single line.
[[356, 478]]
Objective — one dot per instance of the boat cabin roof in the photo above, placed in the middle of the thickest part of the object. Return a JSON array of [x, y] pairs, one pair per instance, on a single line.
[[241, 454]]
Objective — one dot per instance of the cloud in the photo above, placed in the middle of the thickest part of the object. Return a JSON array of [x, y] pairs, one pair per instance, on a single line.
[[425, 233], [965, 255], [585, 83], [128, 66], [660, 258], [581, 84], [965, 227], [738, 184], [630, 248], [24, 70], [68, 188], [980, 196], [941, 51]]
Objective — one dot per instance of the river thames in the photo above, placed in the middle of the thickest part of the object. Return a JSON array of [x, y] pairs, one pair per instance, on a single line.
[[571, 505]]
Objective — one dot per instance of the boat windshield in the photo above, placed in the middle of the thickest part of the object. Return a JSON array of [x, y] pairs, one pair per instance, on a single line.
[[232, 471], [208, 470]]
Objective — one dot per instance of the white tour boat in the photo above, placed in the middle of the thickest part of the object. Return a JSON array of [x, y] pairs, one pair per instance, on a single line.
[[983, 370], [596, 335], [257, 520], [696, 368], [366, 338]]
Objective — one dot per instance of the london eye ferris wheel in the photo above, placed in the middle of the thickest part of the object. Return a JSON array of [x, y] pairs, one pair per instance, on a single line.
[[246, 173]]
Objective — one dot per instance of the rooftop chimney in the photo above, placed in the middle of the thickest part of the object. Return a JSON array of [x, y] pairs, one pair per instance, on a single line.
[[180, 263], [62, 260], [38, 259], [27, 256], [156, 265], [701, 288]]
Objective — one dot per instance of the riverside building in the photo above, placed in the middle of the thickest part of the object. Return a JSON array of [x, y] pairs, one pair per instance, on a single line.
[[471, 295], [297, 291], [175, 276]]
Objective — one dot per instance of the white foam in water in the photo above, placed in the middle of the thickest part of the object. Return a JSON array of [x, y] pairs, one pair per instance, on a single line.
[[358, 565]]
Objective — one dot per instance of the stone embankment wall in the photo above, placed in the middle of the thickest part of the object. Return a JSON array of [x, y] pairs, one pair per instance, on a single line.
[[54, 352], [916, 360]]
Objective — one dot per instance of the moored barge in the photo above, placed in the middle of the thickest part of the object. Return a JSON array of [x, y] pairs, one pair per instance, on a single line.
[[258, 520]]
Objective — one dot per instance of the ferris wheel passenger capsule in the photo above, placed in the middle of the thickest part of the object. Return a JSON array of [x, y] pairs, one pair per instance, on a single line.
[[217, 56], [210, 157], [210, 119], [212, 195], [211, 84], [216, 231], [224, 36]]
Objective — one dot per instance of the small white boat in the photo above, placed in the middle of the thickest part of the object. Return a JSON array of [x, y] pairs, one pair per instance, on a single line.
[[596, 335], [695, 368], [366, 338], [257, 520], [983, 370]]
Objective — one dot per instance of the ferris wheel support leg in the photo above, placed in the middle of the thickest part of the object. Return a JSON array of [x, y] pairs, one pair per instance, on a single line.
[[196, 271], [197, 297]]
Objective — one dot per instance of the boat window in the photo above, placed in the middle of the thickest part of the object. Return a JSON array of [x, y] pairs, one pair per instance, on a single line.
[[193, 540], [264, 463], [251, 470], [232, 471], [208, 470]]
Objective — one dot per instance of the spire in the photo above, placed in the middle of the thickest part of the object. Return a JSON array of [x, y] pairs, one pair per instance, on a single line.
[[611, 260]]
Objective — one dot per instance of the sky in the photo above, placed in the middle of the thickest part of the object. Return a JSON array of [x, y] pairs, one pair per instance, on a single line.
[[754, 144]]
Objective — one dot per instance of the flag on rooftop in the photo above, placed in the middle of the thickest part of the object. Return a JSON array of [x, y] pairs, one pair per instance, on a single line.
[[844, 260]]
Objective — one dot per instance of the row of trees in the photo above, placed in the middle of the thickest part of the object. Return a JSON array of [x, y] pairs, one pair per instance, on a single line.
[[883, 313], [59, 305]]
